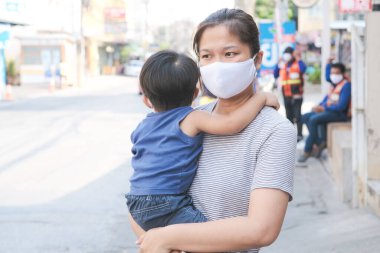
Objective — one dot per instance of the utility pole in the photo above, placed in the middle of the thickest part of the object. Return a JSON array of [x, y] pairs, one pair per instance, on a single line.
[[81, 48], [278, 26], [77, 31], [326, 41]]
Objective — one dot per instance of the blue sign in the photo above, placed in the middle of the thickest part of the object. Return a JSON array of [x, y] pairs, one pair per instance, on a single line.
[[269, 42], [4, 36]]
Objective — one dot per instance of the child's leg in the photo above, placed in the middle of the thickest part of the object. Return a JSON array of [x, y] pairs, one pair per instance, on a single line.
[[185, 211], [152, 211], [149, 211]]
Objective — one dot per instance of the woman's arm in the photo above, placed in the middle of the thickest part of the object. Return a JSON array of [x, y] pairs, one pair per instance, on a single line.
[[260, 228], [234, 122], [271, 188]]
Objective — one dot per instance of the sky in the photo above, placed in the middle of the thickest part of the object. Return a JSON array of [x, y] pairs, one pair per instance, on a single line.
[[164, 12], [160, 12]]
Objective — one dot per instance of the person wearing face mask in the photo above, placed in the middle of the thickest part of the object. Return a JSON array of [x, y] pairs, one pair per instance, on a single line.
[[167, 143], [335, 107], [244, 181], [290, 73]]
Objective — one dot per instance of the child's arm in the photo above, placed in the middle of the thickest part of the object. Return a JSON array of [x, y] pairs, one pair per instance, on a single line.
[[234, 122]]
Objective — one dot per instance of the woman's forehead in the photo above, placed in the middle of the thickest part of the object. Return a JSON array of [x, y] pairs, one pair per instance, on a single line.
[[218, 37]]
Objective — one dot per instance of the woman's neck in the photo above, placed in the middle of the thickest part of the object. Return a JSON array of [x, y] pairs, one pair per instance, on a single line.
[[225, 106]]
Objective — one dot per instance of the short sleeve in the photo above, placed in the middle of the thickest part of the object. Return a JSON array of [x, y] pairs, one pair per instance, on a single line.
[[276, 160]]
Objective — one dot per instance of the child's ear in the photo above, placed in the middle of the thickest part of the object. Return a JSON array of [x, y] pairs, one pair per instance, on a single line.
[[147, 101]]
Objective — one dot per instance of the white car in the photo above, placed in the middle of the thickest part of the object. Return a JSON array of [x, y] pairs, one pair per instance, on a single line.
[[133, 68]]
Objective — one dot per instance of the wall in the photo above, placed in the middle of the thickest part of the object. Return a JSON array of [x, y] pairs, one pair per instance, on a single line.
[[373, 91]]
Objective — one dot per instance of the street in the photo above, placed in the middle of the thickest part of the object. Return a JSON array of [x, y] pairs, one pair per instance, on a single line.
[[64, 169]]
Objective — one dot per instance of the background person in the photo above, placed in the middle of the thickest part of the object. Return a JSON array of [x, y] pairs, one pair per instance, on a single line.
[[335, 107], [290, 72]]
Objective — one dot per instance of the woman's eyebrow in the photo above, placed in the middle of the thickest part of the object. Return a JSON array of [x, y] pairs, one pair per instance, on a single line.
[[223, 48], [229, 47]]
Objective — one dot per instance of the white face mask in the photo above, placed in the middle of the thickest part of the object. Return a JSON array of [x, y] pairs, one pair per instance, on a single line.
[[227, 79], [336, 78], [287, 57]]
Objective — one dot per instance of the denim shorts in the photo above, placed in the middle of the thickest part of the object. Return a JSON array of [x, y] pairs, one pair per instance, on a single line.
[[152, 211]]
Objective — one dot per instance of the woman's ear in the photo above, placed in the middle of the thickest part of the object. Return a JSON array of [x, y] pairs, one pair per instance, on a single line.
[[196, 92], [259, 59], [147, 102]]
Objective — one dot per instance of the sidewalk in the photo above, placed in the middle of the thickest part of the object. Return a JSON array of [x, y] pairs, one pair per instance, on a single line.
[[317, 221]]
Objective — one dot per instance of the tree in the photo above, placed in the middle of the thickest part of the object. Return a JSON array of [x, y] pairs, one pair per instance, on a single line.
[[264, 9]]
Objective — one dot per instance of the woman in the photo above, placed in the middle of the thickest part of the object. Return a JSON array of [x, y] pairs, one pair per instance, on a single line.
[[244, 181]]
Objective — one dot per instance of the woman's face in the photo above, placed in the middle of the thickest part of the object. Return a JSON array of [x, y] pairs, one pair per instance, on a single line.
[[217, 44]]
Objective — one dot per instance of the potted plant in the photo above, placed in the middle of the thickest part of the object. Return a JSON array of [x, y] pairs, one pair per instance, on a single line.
[[13, 77]]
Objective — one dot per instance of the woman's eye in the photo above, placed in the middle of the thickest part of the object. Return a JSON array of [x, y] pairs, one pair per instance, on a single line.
[[205, 56], [230, 54]]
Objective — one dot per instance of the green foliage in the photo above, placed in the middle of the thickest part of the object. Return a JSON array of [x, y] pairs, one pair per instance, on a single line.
[[315, 76], [292, 10], [164, 45], [264, 9], [126, 52], [11, 69]]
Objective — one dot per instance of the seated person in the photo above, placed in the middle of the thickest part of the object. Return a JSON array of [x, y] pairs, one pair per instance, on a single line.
[[335, 107]]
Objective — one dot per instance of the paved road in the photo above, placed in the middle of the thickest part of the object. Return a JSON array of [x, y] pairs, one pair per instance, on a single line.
[[64, 167]]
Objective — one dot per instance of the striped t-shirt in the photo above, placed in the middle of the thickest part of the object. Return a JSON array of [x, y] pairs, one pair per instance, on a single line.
[[230, 167]]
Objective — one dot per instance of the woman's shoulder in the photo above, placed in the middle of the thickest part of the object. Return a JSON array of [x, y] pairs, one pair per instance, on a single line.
[[269, 120], [271, 117]]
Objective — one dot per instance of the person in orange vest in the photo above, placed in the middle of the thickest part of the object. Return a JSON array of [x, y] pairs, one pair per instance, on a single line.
[[335, 107], [290, 72]]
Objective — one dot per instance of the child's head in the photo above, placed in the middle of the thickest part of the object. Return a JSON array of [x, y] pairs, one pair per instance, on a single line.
[[168, 80]]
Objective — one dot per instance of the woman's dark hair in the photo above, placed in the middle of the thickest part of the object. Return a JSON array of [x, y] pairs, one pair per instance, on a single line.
[[339, 66], [168, 79], [239, 24]]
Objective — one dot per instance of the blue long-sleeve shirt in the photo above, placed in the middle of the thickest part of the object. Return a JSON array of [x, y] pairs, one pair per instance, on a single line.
[[301, 65], [344, 100], [328, 72]]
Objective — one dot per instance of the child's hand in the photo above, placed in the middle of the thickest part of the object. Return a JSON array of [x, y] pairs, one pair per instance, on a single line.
[[272, 100]]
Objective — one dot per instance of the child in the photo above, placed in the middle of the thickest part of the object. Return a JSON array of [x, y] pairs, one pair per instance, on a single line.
[[167, 143]]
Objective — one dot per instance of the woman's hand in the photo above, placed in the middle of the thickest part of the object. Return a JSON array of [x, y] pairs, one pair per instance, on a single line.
[[153, 241], [272, 100]]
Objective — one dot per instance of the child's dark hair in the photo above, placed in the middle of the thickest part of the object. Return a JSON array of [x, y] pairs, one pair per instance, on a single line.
[[339, 66], [168, 79]]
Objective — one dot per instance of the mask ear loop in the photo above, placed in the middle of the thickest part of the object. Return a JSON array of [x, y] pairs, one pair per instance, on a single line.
[[254, 83], [254, 64]]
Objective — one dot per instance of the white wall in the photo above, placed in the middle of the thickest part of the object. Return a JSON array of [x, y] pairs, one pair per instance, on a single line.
[[373, 93]]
